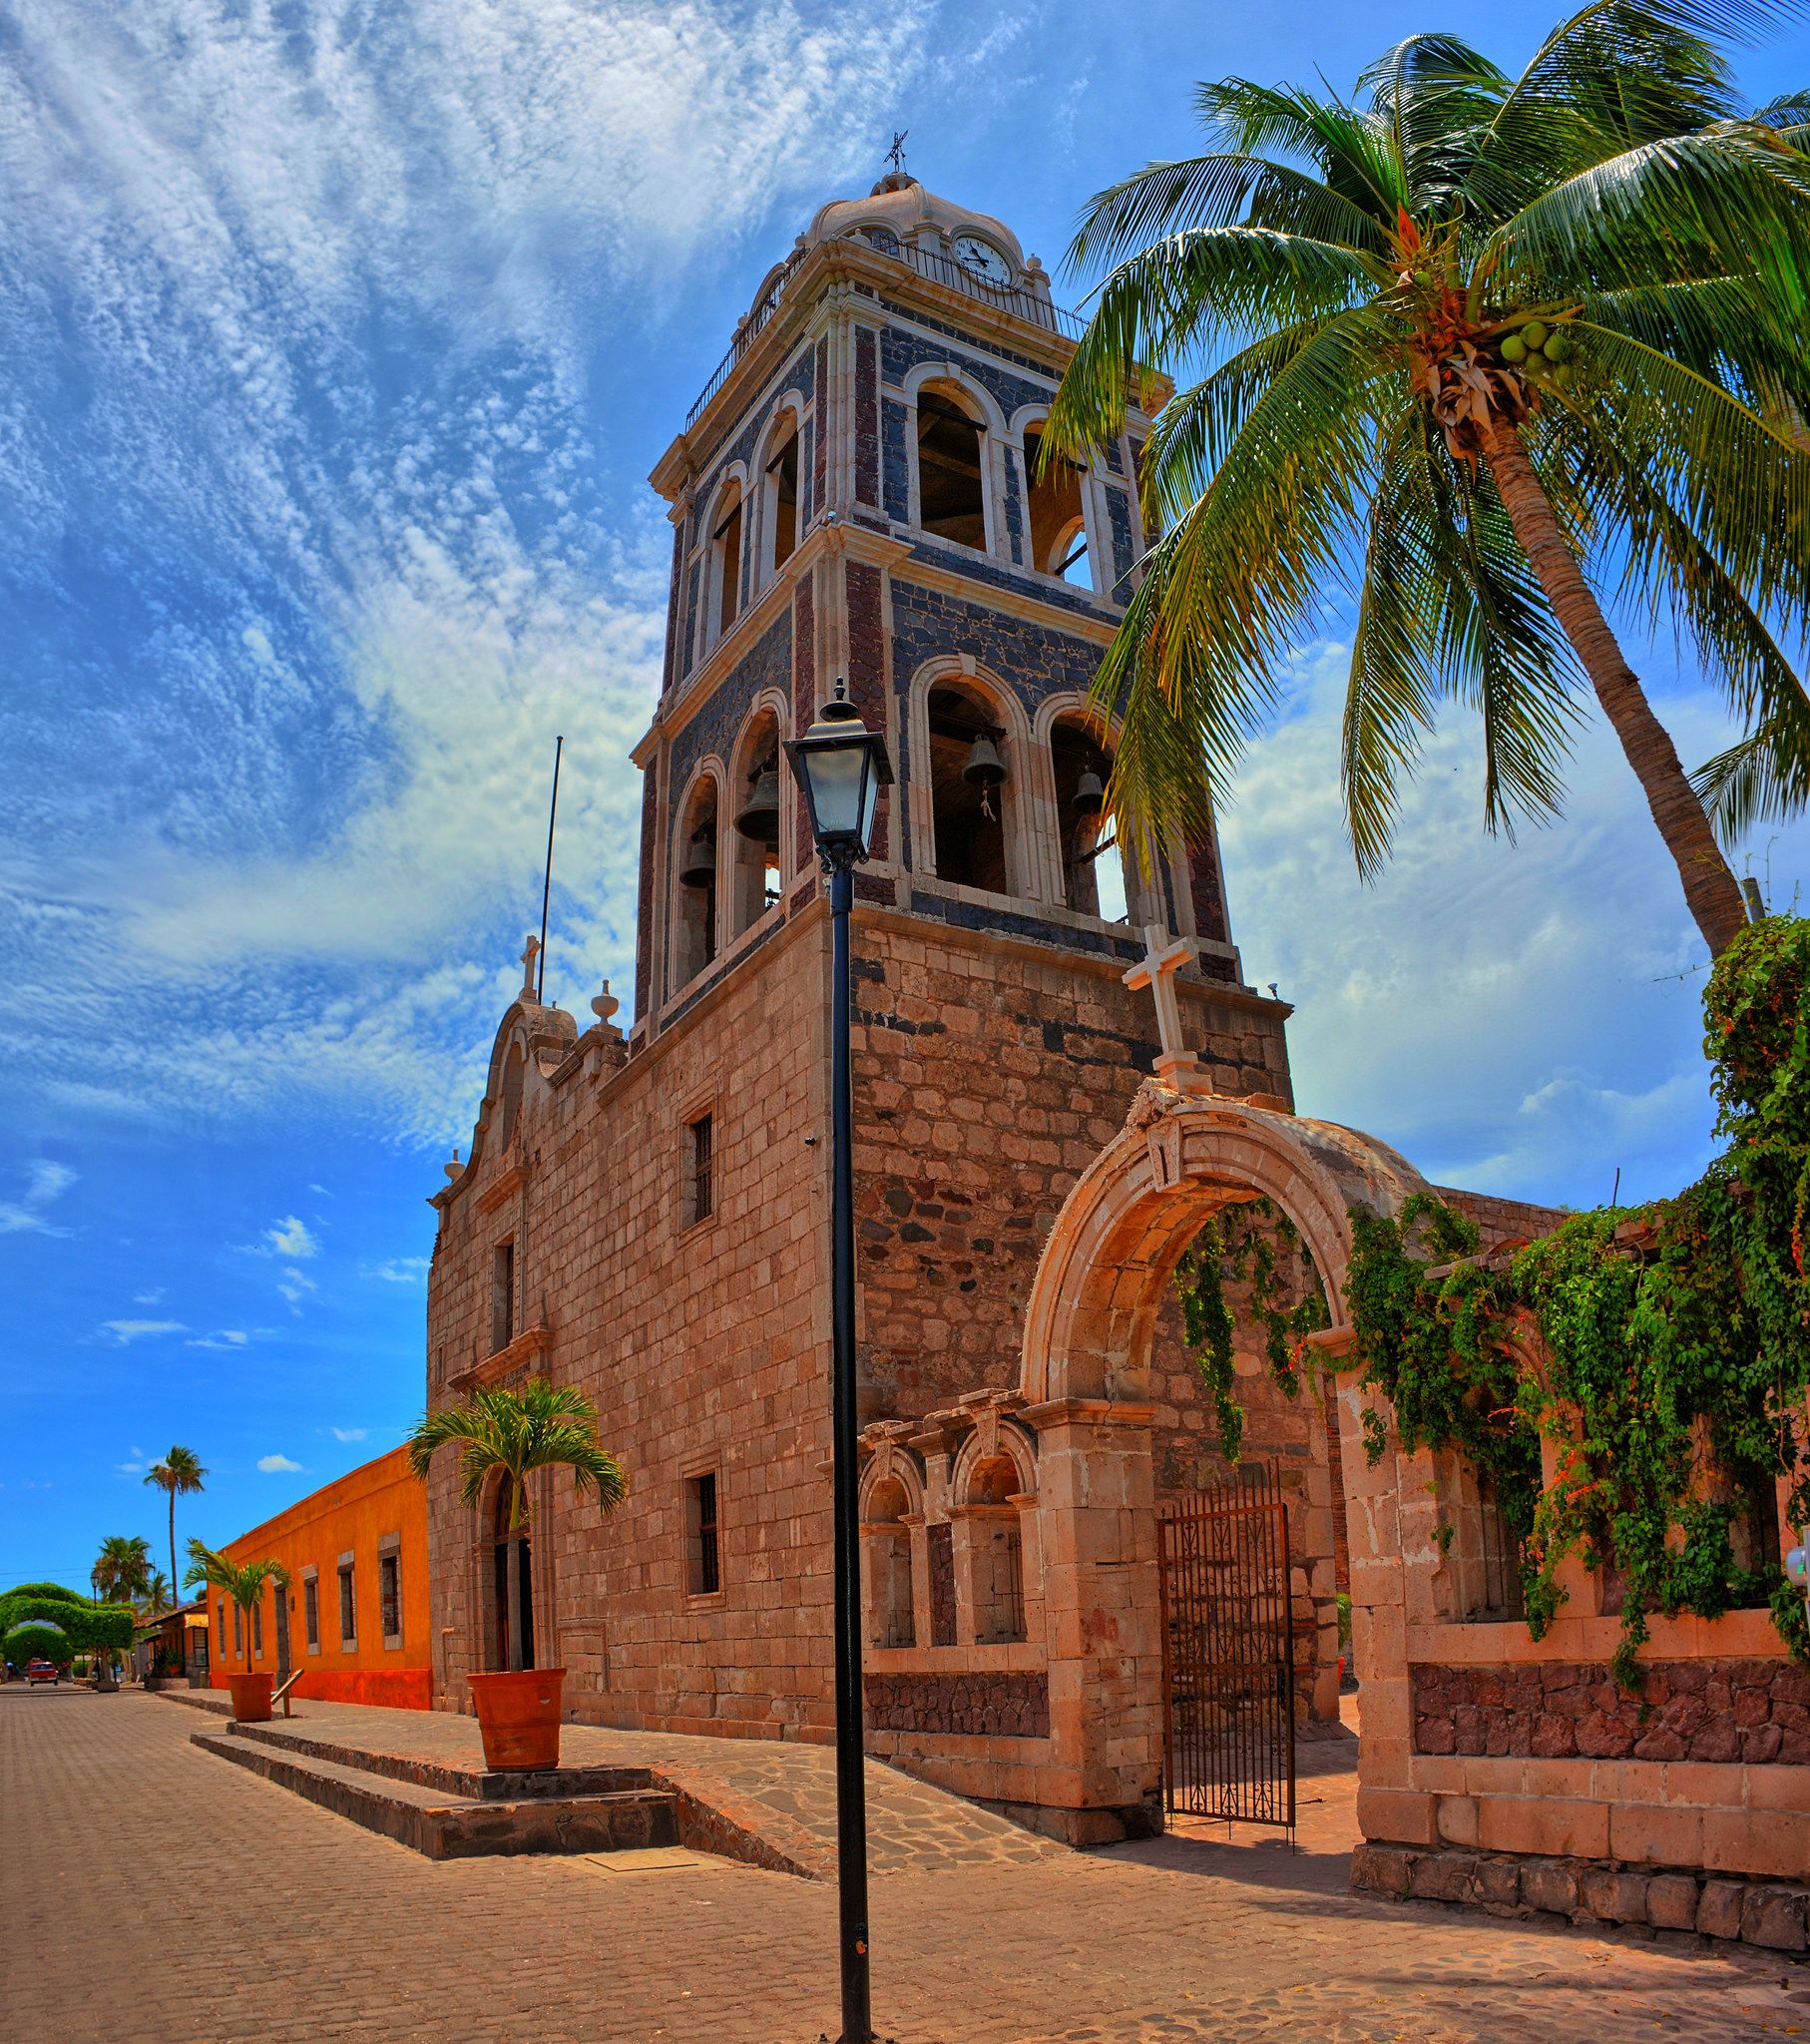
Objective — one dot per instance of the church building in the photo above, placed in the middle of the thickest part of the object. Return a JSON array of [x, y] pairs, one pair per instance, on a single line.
[[856, 495]]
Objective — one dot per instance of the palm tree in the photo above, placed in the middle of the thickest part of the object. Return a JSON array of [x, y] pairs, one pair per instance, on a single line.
[[179, 1473], [158, 1597], [1473, 348], [244, 1586], [122, 1572], [510, 1434]]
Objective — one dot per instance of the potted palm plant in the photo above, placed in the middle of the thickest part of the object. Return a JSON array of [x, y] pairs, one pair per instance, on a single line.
[[244, 1586], [503, 1436]]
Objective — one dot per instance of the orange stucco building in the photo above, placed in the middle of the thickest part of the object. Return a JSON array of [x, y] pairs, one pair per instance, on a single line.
[[354, 1618]]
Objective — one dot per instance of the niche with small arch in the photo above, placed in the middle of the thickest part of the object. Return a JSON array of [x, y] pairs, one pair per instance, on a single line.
[[996, 1550], [755, 880], [887, 1557]]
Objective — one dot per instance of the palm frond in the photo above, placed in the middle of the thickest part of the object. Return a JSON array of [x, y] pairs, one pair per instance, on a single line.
[[1213, 192], [511, 1433], [1354, 152], [1705, 204], [1180, 295], [1242, 578], [1764, 778]]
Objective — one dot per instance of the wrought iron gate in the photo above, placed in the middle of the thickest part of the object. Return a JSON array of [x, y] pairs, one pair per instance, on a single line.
[[1228, 1728]]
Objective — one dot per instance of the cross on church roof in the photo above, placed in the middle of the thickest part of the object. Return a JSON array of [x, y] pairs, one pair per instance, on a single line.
[[530, 952], [1163, 957], [895, 156]]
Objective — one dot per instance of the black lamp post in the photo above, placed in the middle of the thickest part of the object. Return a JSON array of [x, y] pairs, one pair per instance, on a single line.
[[840, 766]]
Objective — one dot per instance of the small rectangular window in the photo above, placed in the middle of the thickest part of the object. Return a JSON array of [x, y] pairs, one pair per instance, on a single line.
[[389, 1595], [219, 1612], [238, 1630], [310, 1605], [703, 1574], [257, 1626], [700, 1189], [502, 1297], [349, 1605]]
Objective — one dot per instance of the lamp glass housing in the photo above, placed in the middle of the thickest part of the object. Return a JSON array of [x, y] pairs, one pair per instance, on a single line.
[[840, 766]]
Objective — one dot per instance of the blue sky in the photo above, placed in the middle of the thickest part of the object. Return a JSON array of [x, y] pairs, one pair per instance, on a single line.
[[336, 344]]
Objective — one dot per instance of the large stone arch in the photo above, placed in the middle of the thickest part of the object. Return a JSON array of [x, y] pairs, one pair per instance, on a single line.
[[1104, 1273], [1090, 1323]]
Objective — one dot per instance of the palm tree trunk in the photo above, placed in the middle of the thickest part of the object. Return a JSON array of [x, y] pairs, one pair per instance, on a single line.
[[1710, 890], [172, 1533]]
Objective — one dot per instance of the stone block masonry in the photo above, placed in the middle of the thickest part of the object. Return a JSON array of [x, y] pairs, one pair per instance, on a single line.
[[1753, 1711], [1768, 1914]]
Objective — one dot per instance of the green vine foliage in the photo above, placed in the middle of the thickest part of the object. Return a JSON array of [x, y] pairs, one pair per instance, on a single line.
[[1663, 1350], [1253, 1244]]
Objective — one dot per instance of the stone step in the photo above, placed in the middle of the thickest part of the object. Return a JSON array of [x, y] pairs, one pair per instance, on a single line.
[[469, 1783], [422, 1818]]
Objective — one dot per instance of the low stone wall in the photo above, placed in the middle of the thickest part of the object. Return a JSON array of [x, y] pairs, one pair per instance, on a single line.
[[1755, 1712], [997, 1703], [1772, 1915]]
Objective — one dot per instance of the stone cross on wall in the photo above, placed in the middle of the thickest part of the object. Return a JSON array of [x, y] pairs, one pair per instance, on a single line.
[[530, 952], [1164, 956]]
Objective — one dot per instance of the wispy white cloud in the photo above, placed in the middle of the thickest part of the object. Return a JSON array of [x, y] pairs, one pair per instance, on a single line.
[[330, 304], [296, 1285], [226, 1339], [273, 1464], [139, 1330], [44, 1182], [400, 1269], [290, 1238], [350, 1433], [1519, 1018], [152, 1298]]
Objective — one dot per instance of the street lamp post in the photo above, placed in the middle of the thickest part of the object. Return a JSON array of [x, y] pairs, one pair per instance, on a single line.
[[840, 766]]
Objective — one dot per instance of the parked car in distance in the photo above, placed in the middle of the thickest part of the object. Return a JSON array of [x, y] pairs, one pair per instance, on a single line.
[[41, 1671]]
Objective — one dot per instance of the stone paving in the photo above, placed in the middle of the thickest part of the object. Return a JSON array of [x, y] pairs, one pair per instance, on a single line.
[[150, 1891]]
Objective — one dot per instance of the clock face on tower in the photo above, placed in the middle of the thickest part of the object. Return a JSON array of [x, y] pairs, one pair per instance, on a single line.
[[984, 259]]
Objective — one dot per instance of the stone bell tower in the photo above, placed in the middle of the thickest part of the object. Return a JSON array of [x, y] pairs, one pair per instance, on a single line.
[[856, 494]]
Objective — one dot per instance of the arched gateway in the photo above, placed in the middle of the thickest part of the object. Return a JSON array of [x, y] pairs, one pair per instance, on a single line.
[[1057, 1715], [1089, 1323]]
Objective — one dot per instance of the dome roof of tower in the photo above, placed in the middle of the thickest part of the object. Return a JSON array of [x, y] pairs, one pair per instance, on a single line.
[[899, 204]]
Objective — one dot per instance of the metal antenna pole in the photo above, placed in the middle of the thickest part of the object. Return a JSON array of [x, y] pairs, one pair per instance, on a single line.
[[552, 809]]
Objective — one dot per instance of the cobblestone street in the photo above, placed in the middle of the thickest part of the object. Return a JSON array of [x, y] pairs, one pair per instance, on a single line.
[[150, 1891]]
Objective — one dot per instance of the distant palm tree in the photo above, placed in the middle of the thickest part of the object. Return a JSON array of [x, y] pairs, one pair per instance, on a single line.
[[243, 1585], [1474, 347], [511, 1434], [122, 1572], [178, 1474], [157, 1596]]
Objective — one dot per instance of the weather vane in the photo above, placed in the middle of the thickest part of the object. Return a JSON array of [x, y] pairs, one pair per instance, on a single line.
[[896, 154]]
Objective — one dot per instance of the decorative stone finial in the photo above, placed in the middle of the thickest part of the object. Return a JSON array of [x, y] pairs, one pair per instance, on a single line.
[[452, 1166], [604, 1005]]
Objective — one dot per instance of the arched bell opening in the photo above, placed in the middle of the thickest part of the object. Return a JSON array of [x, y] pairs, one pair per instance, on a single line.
[[971, 791], [1058, 517], [757, 878], [1094, 877], [951, 466], [695, 887]]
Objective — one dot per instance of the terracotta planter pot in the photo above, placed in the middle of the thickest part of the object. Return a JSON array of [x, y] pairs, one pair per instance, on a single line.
[[251, 1696], [519, 1716]]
